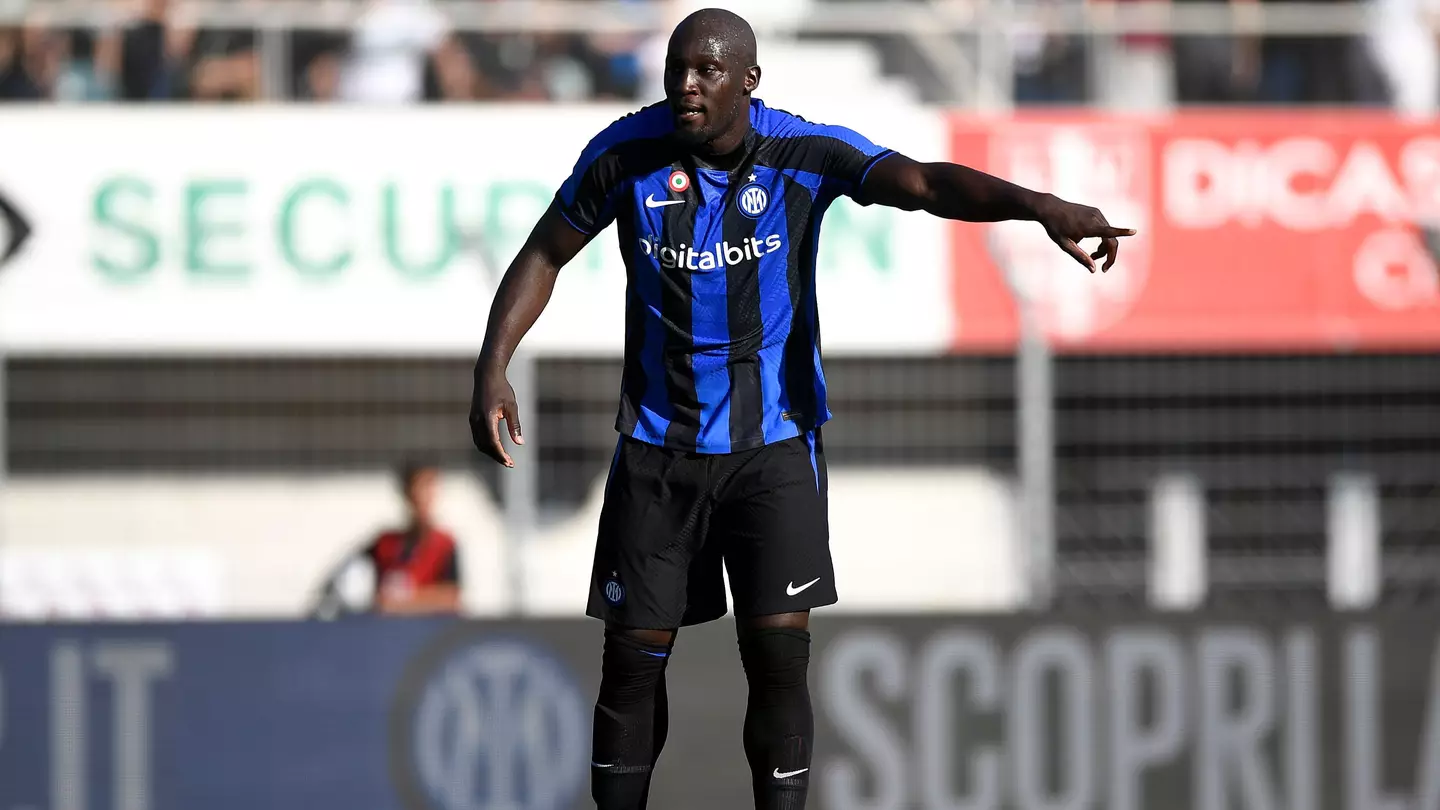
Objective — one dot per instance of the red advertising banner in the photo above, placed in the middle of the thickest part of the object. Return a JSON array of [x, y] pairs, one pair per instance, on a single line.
[[1258, 232]]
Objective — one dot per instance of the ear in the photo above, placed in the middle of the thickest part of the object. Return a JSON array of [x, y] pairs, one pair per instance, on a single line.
[[752, 79]]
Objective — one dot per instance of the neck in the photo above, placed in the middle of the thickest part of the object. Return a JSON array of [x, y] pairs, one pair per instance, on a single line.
[[726, 152]]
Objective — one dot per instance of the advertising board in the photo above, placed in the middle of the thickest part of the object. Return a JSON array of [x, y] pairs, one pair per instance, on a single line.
[[1259, 231], [311, 230], [1311, 711]]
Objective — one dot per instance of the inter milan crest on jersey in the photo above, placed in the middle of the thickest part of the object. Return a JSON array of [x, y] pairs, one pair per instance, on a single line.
[[753, 200], [614, 591]]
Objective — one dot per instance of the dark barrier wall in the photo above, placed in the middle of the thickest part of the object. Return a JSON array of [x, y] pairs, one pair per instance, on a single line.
[[1309, 712], [1211, 713]]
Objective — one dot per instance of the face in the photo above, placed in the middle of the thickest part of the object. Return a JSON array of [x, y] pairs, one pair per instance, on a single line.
[[707, 88], [420, 494]]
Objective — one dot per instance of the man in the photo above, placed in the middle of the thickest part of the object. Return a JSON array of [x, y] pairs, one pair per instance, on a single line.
[[417, 567], [717, 200], [393, 43]]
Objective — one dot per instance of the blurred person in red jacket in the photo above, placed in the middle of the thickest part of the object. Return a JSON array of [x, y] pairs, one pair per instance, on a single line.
[[409, 570], [417, 567]]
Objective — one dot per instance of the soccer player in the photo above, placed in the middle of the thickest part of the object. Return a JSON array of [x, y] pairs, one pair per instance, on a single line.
[[717, 201]]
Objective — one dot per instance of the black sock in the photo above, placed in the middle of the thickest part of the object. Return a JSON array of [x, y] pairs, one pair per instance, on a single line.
[[625, 742], [779, 723]]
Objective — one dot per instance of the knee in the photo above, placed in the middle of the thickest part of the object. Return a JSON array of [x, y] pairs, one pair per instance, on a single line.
[[631, 665], [775, 657], [658, 638]]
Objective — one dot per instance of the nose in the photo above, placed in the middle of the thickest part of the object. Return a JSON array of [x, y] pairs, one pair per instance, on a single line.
[[689, 82]]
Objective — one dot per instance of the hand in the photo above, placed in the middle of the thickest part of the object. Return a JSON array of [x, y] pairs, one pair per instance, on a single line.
[[397, 587], [494, 400], [1068, 223]]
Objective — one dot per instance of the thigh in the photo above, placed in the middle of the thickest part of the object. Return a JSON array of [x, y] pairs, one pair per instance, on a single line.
[[652, 528], [771, 519]]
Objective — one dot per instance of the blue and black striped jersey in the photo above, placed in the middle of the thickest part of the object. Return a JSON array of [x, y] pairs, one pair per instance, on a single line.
[[722, 341]]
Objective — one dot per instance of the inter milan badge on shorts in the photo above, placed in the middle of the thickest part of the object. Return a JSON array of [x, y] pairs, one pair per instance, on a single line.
[[614, 592], [679, 181], [753, 199]]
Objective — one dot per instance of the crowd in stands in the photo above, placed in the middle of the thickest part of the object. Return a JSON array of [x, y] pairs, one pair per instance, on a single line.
[[1394, 61], [405, 51], [399, 51]]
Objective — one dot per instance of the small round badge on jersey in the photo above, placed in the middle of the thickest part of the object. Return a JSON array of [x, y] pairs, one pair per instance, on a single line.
[[679, 181], [614, 592], [752, 200]]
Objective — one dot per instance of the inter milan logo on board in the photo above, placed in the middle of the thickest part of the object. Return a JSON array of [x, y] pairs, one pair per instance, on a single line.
[[753, 200], [489, 723], [679, 181]]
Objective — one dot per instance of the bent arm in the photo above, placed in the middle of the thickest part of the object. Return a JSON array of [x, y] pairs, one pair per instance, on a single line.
[[948, 190], [526, 287]]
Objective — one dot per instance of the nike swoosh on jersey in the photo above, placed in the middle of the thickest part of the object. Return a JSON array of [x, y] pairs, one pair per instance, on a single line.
[[791, 590], [651, 202], [788, 774]]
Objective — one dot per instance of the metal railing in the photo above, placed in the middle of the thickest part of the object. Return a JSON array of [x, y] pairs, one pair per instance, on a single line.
[[898, 18]]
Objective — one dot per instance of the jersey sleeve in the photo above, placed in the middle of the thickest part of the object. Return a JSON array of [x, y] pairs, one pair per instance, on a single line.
[[587, 198], [849, 156]]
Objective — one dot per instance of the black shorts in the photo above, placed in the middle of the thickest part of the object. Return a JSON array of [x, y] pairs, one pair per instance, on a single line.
[[671, 519]]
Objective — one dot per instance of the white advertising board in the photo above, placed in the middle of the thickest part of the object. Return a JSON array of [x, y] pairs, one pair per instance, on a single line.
[[348, 230]]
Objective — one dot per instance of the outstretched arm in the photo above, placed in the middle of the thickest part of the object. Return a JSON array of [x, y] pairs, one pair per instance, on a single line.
[[958, 192], [521, 297]]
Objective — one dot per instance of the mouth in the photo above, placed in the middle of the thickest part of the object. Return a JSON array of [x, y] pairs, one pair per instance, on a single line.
[[688, 113]]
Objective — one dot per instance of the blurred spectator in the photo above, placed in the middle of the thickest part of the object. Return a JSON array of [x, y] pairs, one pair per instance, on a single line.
[[220, 65], [1404, 41], [615, 60], [34, 59], [151, 48], [413, 569], [509, 63], [556, 67], [1135, 71], [1049, 68], [17, 82], [417, 567], [391, 48], [1219, 68], [1316, 70], [617, 65], [315, 57], [89, 68], [650, 52]]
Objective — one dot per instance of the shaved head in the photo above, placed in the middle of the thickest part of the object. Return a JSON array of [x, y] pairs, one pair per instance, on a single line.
[[729, 32], [710, 72]]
